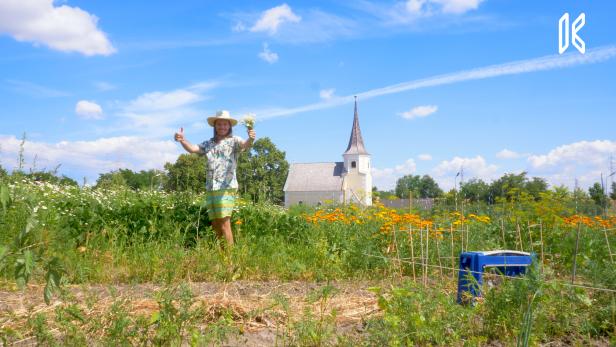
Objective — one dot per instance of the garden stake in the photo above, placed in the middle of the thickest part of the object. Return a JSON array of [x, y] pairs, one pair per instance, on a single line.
[[520, 236], [427, 255], [438, 254], [503, 233], [609, 249], [530, 236], [412, 252], [453, 260], [577, 242], [541, 236]]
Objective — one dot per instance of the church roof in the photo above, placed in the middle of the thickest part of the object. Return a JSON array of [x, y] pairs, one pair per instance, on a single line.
[[314, 177], [356, 142]]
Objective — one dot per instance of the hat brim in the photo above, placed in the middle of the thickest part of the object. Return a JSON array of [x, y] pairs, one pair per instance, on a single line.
[[212, 120]]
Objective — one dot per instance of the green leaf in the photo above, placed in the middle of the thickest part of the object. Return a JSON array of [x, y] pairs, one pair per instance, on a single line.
[[5, 197], [154, 317]]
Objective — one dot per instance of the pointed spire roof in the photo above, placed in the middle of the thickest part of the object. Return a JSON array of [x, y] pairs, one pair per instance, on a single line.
[[356, 143]]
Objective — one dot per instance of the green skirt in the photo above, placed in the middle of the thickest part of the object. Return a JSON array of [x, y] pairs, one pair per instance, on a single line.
[[219, 203]]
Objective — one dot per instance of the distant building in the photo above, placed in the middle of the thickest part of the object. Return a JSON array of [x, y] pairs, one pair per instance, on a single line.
[[346, 181]]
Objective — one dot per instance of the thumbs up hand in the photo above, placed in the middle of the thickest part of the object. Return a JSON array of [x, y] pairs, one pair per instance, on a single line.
[[179, 136]]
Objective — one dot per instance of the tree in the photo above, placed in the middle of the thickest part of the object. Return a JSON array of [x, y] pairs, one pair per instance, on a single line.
[[613, 193], [474, 190], [597, 194], [535, 187], [3, 172], [186, 174], [51, 177], [142, 180], [507, 186], [421, 187], [262, 171]]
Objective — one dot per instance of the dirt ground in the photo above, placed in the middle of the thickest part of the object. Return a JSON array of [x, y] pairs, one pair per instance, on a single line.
[[252, 305]]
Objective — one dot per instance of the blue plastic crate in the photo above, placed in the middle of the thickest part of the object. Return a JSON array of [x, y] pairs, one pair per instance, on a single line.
[[473, 265]]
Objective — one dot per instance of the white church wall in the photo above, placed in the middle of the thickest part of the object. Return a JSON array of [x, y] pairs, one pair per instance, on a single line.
[[312, 198]]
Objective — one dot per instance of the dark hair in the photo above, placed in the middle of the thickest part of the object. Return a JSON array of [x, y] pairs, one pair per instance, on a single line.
[[229, 134]]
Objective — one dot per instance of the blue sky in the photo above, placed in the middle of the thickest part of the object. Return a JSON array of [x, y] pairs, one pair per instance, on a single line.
[[441, 84]]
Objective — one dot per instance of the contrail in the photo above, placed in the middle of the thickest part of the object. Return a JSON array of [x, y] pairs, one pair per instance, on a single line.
[[550, 62]]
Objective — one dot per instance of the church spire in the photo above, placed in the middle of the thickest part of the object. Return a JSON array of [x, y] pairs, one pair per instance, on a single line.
[[356, 143]]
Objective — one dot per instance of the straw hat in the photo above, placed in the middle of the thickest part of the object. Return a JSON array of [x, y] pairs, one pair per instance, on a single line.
[[224, 114]]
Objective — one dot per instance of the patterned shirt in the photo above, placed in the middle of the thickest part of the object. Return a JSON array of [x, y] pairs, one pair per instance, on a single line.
[[221, 162]]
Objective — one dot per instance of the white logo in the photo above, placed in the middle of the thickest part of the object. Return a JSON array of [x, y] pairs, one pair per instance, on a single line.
[[563, 26]]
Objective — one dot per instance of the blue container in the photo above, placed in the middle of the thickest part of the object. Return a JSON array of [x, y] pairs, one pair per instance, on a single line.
[[473, 265]]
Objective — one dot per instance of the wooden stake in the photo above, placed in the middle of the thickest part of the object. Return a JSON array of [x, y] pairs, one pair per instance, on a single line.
[[530, 237], [609, 249], [503, 234], [453, 259], [427, 255], [438, 255], [467, 233], [520, 236], [421, 246], [541, 236], [412, 252], [577, 243]]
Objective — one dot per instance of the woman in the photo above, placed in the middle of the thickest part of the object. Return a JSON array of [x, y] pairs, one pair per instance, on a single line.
[[221, 152]]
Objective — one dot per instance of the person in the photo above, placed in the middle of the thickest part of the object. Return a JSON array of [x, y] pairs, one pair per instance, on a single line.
[[221, 151]]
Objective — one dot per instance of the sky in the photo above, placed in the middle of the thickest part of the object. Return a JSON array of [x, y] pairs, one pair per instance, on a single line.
[[443, 86]]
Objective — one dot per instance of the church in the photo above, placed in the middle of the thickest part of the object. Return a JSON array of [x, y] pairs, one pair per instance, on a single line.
[[348, 181]]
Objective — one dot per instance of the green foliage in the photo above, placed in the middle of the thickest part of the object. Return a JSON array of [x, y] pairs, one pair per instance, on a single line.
[[421, 187], [262, 171], [188, 173], [597, 194], [142, 180], [474, 190], [613, 192]]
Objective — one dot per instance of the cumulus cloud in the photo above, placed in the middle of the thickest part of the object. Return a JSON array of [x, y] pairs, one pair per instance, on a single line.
[[104, 86], [267, 55], [63, 28], [583, 160], [158, 113], [508, 154], [91, 158], [89, 110], [446, 170], [327, 94], [271, 19], [590, 152], [385, 179], [424, 157], [419, 112]]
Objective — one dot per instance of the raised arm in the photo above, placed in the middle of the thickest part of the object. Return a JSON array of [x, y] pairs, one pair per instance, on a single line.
[[250, 140], [189, 147]]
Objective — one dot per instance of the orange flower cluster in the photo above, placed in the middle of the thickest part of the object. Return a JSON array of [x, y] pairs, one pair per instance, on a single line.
[[461, 219], [337, 215], [596, 222]]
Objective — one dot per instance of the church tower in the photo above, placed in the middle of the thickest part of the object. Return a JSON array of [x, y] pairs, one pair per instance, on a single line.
[[357, 179]]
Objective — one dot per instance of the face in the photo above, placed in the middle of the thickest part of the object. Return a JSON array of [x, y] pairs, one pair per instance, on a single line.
[[222, 127]]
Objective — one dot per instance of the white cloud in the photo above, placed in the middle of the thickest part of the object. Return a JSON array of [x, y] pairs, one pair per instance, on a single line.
[[104, 86], [550, 62], [419, 112], [327, 94], [91, 158], [239, 27], [454, 6], [271, 19], [63, 28], [445, 172], [89, 110], [508, 154], [424, 157], [267, 55], [159, 113], [587, 152], [584, 161], [385, 179]]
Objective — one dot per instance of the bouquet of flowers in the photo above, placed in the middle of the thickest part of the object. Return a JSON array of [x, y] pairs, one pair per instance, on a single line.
[[249, 121]]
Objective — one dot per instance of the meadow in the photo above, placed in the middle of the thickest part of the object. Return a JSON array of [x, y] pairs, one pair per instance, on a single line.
[[62, 247]]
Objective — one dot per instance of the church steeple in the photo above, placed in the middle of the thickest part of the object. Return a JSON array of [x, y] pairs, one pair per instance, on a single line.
[[356, 143]]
